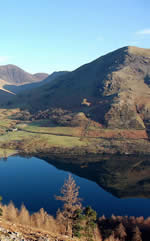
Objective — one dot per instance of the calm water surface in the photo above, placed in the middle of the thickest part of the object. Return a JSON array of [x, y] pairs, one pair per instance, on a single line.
[[34, 182]]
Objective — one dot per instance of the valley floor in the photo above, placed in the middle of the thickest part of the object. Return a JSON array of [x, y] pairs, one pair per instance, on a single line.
[[42, 136]]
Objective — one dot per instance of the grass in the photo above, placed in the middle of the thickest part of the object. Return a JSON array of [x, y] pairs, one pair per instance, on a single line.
[[39, 126], [65, 141], [4, 153], [19, 135], [42, 136], [39, 142]]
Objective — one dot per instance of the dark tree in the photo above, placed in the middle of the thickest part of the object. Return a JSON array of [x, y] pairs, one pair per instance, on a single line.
[[136, 234], [120, 232], [90, 224]]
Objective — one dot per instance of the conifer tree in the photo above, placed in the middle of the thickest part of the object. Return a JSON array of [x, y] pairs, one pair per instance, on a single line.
[[120, 232], [70, 197], [136, 234], [90, 225]]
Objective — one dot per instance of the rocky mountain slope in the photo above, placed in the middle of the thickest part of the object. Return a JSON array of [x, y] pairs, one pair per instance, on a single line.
[[113, 90]]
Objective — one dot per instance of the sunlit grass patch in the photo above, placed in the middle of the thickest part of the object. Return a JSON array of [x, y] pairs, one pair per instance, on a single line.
[[4, 153], [45, 126]]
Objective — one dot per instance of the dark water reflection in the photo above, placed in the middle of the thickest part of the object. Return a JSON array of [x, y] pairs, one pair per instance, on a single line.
[[123, 176], [118, 185]]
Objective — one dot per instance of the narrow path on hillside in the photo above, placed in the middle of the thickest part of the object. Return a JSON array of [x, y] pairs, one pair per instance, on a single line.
[[46, 133]]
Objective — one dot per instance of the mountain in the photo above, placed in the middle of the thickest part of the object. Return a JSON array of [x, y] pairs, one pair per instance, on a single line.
[[55, 75], [17, 76], [44, 79], [113, 90], [40, 76]]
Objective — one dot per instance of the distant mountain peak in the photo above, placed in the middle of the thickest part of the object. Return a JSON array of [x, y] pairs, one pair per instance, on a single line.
[[15, 75]]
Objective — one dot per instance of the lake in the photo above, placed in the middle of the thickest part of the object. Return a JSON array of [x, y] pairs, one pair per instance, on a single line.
[[109, 186]]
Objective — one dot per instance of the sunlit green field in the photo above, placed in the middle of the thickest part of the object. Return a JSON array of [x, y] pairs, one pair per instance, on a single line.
[[35, 135], [43, 136]]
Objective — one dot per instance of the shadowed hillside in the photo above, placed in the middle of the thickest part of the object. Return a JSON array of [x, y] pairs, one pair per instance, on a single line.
[[44, 79], [5, 96], [123, 176]]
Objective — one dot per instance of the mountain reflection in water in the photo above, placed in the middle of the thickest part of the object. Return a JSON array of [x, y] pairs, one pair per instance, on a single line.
[[35, 181], [123, 176]]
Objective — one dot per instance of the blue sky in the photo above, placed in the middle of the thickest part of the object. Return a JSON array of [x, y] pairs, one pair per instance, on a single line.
[[53, 35]]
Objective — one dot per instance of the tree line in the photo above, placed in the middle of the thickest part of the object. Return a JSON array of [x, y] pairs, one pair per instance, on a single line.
[[74, 220]]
